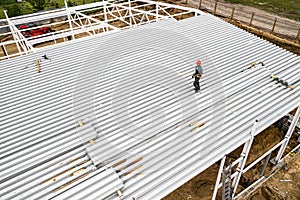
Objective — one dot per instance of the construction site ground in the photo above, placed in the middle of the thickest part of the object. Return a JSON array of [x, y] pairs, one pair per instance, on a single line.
[[285, 184]]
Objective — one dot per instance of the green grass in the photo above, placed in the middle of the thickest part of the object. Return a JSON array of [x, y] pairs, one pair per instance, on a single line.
[[26, 7], [51, 3], [285, 8], [1, 13]]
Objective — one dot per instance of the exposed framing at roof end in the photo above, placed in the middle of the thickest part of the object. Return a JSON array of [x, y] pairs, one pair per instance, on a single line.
[[71, 23]]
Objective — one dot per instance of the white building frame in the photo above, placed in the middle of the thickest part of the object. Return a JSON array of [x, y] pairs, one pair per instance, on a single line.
[[241, 161], [132, 14]]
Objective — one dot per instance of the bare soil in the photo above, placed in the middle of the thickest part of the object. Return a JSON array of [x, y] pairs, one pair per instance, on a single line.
[[285, 184]]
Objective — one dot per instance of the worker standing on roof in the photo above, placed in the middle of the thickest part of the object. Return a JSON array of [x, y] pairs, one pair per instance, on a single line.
[[197, 75]]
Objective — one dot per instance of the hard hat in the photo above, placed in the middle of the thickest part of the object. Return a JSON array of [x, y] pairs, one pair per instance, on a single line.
[[198, 62]]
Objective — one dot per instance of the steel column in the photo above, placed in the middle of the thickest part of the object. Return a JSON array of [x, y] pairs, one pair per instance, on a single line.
[[19, 38], [218, 178], [105, 17], [288, 135], [13, 32], [156, 17], [244, 155], [69, 18], [265, 165]]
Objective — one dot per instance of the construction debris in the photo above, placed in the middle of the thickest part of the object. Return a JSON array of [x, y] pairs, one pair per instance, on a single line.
[[92, 142], [120, 194], [253, 65], [80, 123], [38, 66], [198, 126], [281, 81]]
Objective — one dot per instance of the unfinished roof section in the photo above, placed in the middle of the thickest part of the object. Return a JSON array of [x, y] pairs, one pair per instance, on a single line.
[[25, 34], [145, 132]]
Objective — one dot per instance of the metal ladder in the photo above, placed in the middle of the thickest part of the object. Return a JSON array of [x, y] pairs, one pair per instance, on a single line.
[[226, 183]]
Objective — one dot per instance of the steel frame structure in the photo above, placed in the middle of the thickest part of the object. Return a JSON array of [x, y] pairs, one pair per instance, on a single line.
[[131, 14], [19, 39], [241, 161]]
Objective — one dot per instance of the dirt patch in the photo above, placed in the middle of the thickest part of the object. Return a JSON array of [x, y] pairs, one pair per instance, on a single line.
[[199, 188], [283, 185]]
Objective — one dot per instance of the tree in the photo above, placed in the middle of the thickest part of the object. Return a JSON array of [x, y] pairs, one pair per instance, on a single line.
[[13, 10], [7, 2], [38, 4]]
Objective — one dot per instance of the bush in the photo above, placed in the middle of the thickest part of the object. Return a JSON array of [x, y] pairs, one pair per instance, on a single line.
[[70, 3], [7, 2], [38, 4], [13, 10]]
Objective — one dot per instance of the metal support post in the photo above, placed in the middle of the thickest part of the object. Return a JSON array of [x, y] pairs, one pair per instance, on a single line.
[[288, 135], [19, 38], [218, 178], [105, 17], [244, 155], [12, 32], [130, 14], [69, 19], [156, 11], [131, 17], [265, 165]]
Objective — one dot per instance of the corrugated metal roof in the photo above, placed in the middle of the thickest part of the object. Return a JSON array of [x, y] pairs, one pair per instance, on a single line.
[[133, 92]]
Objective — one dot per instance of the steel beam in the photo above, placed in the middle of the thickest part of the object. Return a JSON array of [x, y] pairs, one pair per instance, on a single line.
[[103, 24]]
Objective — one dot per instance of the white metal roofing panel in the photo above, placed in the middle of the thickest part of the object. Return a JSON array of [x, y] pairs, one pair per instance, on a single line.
[[99, 186], [40, 111]]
